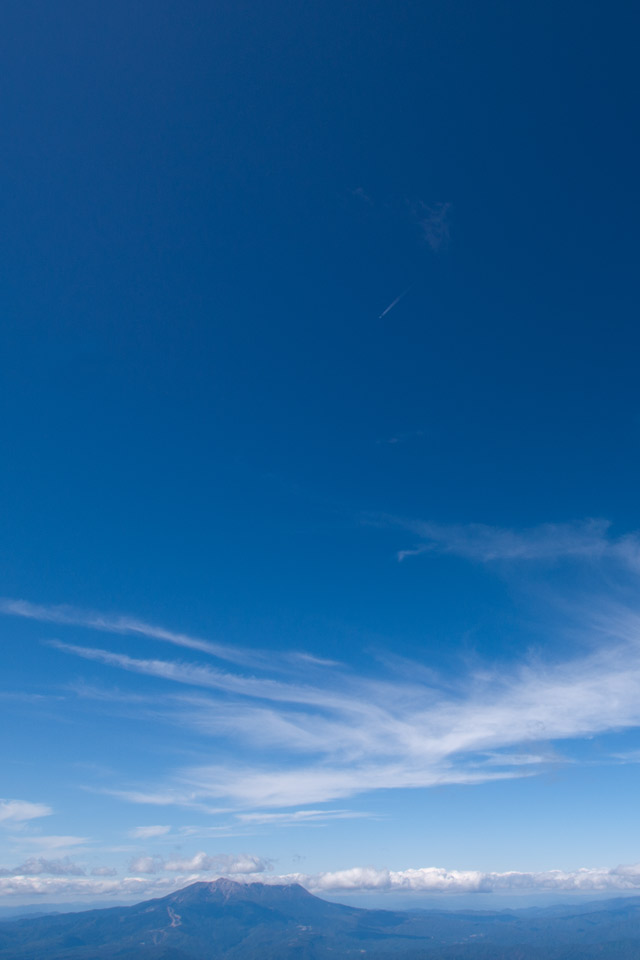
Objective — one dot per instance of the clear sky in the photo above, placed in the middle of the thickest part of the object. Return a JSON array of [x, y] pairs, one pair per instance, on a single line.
[[320, 445]]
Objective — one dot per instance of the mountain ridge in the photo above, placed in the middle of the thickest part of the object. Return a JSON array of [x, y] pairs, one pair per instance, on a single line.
[[224, 888], [228, 920]]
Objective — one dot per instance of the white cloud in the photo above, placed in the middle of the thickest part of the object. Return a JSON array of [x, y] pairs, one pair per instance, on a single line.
[[439, 880], [203, 676], [221, 864], [311, 660], [274, 787], [54, 842], [320, 736], [299, 817], [35, 866], [67, 615], [147, 833], [428, 879], [20, 811], [421, 880], [628, 756], [133, 888], [146, 865], [585, 540], [206, 833], [72, 616], [359, 734]]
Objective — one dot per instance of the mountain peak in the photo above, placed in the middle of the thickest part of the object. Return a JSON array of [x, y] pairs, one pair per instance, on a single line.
[[223, 885], [223, 889]]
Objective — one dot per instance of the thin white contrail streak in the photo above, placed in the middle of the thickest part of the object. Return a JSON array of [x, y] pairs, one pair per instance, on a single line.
[[395, 303]]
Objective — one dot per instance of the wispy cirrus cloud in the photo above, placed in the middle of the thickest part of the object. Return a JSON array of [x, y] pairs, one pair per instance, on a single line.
[[120, 624], [322, 736], [434, 222], [21, 811], [587, 540], [52, 842], [284, 662], [365, 734], [321, 783], [200, 675], [301, 817], [148, 833]]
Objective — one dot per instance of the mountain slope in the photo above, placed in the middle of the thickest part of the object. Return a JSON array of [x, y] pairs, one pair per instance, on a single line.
[[225, 920], [205, 920]]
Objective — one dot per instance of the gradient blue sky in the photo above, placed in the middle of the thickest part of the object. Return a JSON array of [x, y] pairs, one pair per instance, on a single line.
[[295, 584]]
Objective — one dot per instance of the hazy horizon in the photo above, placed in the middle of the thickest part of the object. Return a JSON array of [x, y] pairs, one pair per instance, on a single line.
[[367, 899]]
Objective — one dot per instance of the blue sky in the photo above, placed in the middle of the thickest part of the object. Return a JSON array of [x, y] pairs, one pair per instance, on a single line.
[[321, 429]]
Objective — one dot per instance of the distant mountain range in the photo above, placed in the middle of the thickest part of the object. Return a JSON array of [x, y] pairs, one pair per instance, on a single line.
[[225, 920]]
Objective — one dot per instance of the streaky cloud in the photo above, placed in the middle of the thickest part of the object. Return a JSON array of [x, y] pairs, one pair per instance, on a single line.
[[52, 842], [148, 833], [20, 811], [300, 817], [394, 303], [357, 734], [587, 540], [72, 616], [199, 675], [67, 615]]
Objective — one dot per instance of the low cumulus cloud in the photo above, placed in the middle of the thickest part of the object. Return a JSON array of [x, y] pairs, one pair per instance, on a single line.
[[146, 865], [438, 880], [220, 864], [130, 888], [36, 866], [418, 880]]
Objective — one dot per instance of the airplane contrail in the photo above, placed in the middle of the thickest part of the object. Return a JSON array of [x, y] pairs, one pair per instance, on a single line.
[[395, 302]]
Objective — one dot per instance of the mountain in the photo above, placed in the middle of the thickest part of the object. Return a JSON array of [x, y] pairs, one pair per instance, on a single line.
[[225, 920]]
